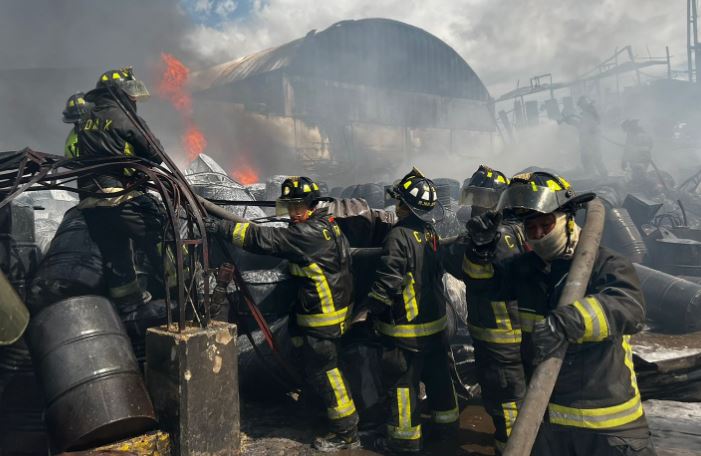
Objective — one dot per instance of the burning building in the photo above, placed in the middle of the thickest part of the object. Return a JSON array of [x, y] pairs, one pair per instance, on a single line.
[[358, 98]]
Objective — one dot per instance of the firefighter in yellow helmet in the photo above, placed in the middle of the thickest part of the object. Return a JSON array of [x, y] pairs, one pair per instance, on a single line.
[[407, 300], [319, 258], [494, 326], [595, 407], [108, 131], [76, 110]]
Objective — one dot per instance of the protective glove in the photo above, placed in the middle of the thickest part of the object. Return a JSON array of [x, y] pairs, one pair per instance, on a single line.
[[547, 337], [563, 324], [369, 306], [216, 227], [484, 229]]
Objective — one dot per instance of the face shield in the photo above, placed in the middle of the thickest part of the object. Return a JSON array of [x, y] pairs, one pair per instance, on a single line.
[[479, 196], [522, 200], [135, 89], [290, 207]]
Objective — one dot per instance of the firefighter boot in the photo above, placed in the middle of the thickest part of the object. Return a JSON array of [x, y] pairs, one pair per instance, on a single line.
[[336, 441]]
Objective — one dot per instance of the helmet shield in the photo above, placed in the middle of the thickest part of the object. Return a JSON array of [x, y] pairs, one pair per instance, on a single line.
[[479, 196], [519, 201], [135, 89], [14, 316]]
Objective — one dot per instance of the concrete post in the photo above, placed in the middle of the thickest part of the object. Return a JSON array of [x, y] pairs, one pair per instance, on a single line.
[[193, 381]]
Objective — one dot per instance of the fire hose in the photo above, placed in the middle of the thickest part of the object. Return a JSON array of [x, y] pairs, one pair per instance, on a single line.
[[542, 382]]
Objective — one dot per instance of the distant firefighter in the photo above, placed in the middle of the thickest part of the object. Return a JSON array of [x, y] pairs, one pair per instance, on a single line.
[[588, 126], [76, 110], [637, 153]]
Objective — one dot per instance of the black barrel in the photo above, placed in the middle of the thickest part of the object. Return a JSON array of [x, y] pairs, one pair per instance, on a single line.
[[92, 386], [673, 304], [71, 267], [621, 235]]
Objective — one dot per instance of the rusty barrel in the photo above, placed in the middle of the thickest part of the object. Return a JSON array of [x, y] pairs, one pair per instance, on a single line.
[[91, 382]]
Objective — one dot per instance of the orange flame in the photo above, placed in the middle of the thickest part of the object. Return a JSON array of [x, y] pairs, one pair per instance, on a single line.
[[172, 85], [194, 142], [244, 174], [173, 88]]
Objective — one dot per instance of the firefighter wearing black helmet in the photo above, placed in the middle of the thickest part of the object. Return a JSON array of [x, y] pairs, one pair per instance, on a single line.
[[407, 300], [107, 131], [319, 258], [595, 407], [494, 326], [76, 110]]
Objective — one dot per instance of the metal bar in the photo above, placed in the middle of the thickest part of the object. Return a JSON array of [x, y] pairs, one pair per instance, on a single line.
[[543, 381]]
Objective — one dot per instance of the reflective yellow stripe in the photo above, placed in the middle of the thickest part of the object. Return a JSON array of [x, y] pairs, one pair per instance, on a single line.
[[477, 271], [528, 320], [409, 295], [418, 330], [344, 404], [405, 431], [495, 336], [322, 319], [380, 298], [239, 234], [510, 410], [129, 152], [125, 290], [314, 272], [605, 417], [447, 416], [501, 315], [595, 324]]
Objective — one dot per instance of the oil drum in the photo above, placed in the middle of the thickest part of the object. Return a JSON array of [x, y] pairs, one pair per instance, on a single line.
[[621, 235], [93, 390]]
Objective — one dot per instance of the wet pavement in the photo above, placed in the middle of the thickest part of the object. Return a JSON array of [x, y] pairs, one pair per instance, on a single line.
[[286, 428]]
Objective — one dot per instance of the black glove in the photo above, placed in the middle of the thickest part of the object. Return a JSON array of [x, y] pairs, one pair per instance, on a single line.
[[563, 324], [216, 227], [369, 306], [548, 336], [484, 229]]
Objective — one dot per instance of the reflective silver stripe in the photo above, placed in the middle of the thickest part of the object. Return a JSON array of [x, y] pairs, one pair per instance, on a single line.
[[409, 295], [477, 271], [604, 417], [239, 234], [595, 323], [417, 330], [510, 410], [125, 290], [446, 416], [404, 431], [528, 320], [344, 404], [322, 319], [314, 272], [495, 336]]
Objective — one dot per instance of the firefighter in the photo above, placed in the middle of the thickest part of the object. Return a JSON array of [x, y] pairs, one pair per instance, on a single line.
[[407, 300], [113, 221], [76, 110], [637, 151], [588, 124], [595, 407], [319, 258], [494, 326]]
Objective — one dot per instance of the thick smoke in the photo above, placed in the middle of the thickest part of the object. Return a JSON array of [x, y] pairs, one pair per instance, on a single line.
[[50, 49]]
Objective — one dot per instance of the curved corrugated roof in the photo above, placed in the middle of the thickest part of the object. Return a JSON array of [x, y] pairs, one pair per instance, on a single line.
[[375, 52]]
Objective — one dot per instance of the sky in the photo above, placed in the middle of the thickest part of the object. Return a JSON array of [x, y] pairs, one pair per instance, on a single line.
[[503, 40]]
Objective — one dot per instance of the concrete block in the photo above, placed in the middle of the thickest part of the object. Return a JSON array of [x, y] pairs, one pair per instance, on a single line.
[[192, 378]]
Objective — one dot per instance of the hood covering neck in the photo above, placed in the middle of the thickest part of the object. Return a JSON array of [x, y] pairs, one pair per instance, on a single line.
[[560, 242]]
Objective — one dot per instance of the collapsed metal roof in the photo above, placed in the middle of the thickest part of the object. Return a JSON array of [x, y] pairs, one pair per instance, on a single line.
[[374, 52]]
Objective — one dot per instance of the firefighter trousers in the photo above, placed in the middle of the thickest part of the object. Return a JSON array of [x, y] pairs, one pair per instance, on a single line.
[[140, 220], [403, 371], [322, 372], [503, 382], [555, 440]]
